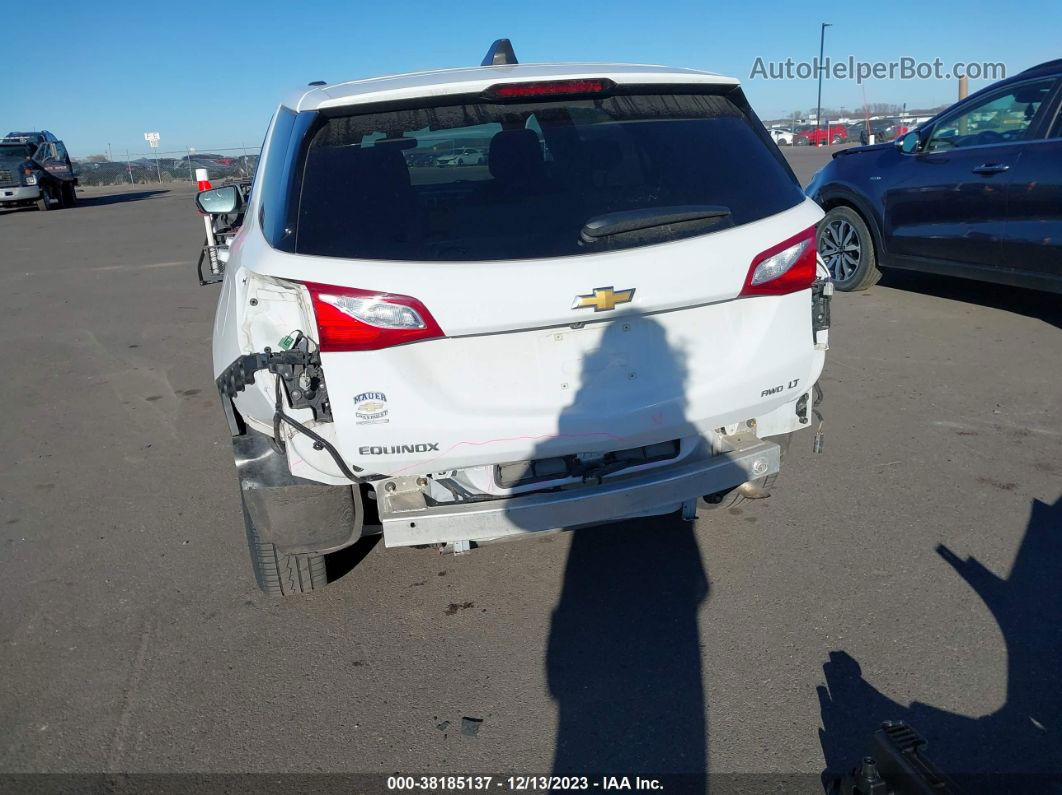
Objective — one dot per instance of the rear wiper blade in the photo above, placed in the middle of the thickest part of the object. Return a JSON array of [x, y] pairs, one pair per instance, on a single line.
[[683, 220]]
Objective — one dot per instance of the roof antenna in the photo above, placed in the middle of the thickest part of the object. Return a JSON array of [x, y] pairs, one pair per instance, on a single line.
[[500, 54]]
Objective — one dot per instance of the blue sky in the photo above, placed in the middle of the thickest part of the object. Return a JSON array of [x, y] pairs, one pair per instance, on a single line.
[[209, 76]]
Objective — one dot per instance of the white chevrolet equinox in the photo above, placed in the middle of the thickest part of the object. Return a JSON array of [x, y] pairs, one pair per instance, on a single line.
[[619, 313]]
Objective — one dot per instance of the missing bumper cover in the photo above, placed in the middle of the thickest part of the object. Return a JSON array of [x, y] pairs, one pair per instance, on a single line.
[[540, 470], [409, 520]]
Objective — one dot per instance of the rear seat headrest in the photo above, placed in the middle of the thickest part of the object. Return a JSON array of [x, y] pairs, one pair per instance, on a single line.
[[516, 155]]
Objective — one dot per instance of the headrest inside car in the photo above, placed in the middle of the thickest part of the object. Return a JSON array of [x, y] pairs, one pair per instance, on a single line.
[[516, 155]]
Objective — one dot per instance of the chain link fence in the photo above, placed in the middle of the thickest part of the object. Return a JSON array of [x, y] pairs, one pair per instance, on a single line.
[[168, 167]]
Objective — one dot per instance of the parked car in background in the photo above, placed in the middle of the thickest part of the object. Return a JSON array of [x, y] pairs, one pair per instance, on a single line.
[[862, 131], [781, 136], [829, 133], [896, 128], [975, 192], [462, 157], [420, 159], [35, 168]]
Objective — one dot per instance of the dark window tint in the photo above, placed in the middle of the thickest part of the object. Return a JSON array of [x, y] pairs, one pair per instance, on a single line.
[[483, 181], [272, 184]]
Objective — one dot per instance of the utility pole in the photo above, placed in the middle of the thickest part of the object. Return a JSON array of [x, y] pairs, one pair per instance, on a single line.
[[822, 45], [110, 157]]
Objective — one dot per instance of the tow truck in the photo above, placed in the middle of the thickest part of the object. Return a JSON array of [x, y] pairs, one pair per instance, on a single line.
[[35, 169]]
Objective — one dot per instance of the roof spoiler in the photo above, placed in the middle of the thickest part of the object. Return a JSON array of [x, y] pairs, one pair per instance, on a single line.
[[500, 54]]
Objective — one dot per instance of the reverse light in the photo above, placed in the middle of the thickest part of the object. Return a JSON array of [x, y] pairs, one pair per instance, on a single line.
[[349, 319], [785, 268], [549, 88]]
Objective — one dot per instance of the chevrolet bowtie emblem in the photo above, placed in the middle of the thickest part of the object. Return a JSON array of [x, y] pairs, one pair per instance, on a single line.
[[603, 299]]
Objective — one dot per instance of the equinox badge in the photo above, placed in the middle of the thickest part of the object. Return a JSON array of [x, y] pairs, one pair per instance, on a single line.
[[603, 299]]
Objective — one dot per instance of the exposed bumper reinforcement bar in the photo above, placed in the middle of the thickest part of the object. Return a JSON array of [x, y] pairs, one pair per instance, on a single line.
[[407, 520]]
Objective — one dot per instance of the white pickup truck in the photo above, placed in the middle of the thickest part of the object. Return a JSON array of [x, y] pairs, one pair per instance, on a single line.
[[620, 313]]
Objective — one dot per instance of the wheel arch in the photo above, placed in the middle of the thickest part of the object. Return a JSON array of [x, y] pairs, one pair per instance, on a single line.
[[830, 199]]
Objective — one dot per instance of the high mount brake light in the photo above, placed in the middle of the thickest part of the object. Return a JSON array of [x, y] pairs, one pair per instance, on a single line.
[[550, 88], [365, 320], [785, 268]]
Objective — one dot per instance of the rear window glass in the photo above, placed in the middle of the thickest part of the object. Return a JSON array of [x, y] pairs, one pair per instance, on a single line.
[[485, 181]]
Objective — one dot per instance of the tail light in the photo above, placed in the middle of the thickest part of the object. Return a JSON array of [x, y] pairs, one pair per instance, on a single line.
[[785, 268], [366, 320]]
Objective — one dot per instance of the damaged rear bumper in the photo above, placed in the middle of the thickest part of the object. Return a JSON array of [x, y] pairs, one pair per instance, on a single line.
[[408, 520]]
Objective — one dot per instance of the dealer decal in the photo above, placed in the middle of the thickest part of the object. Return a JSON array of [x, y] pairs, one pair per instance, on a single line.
[[370, 408]]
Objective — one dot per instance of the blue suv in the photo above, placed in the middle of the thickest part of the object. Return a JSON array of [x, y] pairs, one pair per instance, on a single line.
[[975, 192]]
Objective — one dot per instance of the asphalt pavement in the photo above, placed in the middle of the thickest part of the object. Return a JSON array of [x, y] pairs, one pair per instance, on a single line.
[[910, 571]]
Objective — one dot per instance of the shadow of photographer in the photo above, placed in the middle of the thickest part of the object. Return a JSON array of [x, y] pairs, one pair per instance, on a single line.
[[624, 657]]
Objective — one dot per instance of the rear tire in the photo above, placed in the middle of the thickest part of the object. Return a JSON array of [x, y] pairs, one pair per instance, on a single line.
[[847, 247], [69, 195], [280, 574]]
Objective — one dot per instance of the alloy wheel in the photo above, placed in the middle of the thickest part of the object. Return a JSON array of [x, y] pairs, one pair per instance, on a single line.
[[840, 250]]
